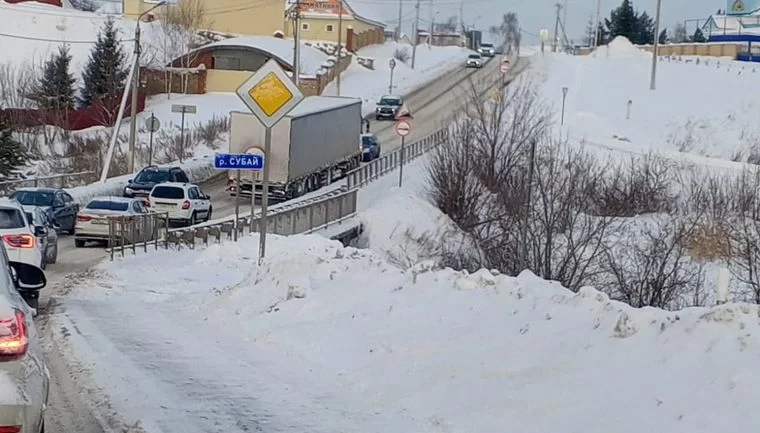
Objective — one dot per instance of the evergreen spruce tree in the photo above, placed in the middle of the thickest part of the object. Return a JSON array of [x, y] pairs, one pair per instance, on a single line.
[[622, 21], [55, 88], [106, 71], [644, 30], [663, 38], [699, 37], [11, 152]]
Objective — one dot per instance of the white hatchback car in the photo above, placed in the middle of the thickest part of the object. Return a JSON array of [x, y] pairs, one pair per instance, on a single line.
[[184, 202], [92, 221], [19, 237], [24, 376]]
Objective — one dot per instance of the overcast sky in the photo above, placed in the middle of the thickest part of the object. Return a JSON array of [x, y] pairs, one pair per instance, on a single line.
[[533, 14]]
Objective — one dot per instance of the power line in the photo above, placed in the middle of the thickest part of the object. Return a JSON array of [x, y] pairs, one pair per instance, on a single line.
[[29, 38]]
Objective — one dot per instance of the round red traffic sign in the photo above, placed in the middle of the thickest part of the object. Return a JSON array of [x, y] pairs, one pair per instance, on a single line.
[[403, 128], [504, 67]]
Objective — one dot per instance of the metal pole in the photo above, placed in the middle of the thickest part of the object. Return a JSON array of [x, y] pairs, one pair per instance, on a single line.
[[133, 108], [340, 46], [432, 25], [390, 85], [414, 36], [182, 136], [400, 18], [117, 126], [401, 163], [527, 206], [598, 27], [296, 42], [555, 40], [150, 145], [656, 47], [564, 96], [237, 205], [265, 197]]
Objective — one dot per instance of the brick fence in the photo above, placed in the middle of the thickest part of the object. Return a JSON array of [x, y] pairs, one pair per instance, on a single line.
[[356, 41]]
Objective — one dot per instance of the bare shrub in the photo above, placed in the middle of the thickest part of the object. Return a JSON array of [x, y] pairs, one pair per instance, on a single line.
[[402, 54], [651, 267], [643, 186], [87, 152], [210, 132]]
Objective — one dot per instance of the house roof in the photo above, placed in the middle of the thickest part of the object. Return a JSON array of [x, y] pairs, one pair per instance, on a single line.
[[360, 11], [279, 49]]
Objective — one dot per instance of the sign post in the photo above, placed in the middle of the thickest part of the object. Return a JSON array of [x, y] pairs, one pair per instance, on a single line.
[[270, 95], [239, 162], [392, 65], [153, 125], [403, 128], [184, 109], [564, 96]]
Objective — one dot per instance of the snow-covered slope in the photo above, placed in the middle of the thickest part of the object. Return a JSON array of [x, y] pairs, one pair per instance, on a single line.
[[704, 106]]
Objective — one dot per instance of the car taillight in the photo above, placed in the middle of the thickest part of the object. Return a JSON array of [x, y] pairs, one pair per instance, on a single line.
[[10, 429], [185, 205], [83, 218], [14, 338], [19, 241]]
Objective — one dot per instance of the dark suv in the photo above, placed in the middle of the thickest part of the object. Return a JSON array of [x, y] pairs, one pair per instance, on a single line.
[[151, 176]]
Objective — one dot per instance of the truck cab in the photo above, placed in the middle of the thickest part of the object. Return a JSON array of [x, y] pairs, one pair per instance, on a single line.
[[370, 147]]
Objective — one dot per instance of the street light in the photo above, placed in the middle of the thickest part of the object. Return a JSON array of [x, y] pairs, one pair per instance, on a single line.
[[564, 96], [655, 47], [135, 88]]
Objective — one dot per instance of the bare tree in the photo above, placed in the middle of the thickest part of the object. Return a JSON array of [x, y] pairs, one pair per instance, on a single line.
[[449, 26], [679, 34], [508, 32]]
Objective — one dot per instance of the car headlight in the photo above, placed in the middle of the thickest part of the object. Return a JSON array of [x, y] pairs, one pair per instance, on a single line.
[[129, 190], [377, 110]]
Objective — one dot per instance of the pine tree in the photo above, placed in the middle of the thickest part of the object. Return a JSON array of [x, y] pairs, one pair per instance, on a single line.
[[699, 37], [11, 152], [105, 74], [643, 30], [55, 88], [622, 21], [663, 38]]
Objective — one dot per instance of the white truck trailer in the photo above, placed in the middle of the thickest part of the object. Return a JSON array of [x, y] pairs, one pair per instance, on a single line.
[[316, 143]]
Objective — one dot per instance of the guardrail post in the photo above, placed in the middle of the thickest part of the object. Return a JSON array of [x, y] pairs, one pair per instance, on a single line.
[[110, 237], [133, 234], [311, 217], [121, 237], [144, 223]]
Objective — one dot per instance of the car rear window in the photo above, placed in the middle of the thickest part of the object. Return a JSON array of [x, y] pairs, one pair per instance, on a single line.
[[171, 192], [33, 198], [474, 56], [11, 219], [107, 205]]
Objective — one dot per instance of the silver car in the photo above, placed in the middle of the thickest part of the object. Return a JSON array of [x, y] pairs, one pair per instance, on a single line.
[[93, 221], [24, 376]]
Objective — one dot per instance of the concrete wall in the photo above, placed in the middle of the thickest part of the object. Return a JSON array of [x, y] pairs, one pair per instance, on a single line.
[[259, 18]]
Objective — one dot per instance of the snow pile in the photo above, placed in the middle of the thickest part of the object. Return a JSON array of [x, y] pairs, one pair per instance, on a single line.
[[621, 47], [705, 108], [414, 350], [430, 63]]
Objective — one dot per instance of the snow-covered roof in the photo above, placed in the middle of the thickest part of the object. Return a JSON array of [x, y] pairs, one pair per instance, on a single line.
[[733, 24], [313, 104], [281, 49], [361, 11]]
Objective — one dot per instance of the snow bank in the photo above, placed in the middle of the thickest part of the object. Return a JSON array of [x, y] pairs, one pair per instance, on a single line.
[[428, 347], [621, 47], [704, 108], [430, 63]]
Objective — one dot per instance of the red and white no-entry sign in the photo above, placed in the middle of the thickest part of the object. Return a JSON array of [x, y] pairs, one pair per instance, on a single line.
[[504, 67], [403, 128]]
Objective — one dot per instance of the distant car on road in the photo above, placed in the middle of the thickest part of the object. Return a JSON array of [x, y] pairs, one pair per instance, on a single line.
[[24, 372], [486, 49], [93, 225], [370, 147], [151, 176], [388, 107], [184, 202], [474, 61], [24, 242], [59, 206]]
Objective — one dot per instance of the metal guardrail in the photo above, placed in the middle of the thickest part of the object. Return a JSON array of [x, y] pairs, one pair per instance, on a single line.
[[361, 176], [53, 181], [137, 231]]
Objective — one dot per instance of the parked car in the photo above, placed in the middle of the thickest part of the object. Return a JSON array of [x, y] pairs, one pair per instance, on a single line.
[[388, 107], [46, 233], [474, 61], [23, 241], [370, 147], [93, 224], [26, 378], [59, 206], [184, 202], [151, 176]]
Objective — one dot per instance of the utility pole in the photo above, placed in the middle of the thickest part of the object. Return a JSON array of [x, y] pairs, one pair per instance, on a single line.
[[400, 18], [598, 29], [432, 19], [656, 47], [461, 23], [340, 45], [555, 41], [414, 36], [296, 15], [564, 16]]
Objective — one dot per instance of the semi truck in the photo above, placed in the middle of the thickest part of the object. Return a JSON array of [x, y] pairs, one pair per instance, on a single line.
[[315, 144]]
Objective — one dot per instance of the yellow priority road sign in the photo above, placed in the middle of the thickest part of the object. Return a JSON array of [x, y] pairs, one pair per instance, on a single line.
[[270, 94]]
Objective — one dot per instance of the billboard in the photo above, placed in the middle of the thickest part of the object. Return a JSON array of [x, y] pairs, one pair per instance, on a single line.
[[742, 7]]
